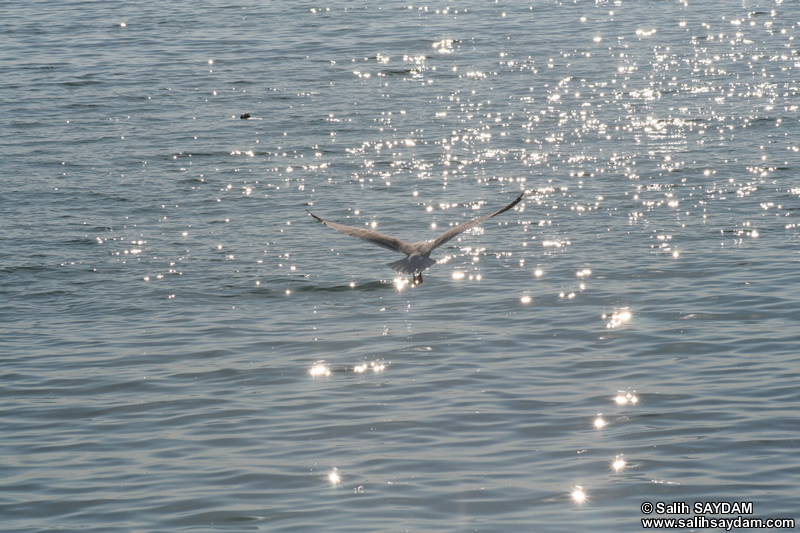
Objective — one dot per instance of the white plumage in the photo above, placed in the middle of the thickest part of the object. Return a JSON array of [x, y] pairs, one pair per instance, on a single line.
[[417, 253]]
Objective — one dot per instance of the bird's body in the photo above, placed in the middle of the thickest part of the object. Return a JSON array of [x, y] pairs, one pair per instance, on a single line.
[[418, 253]]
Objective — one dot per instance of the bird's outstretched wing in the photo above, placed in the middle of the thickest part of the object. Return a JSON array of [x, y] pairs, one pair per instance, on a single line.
[[461, 228], [375, 237]]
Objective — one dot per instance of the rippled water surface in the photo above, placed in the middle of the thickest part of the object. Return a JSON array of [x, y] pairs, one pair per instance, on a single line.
[[184, 348]]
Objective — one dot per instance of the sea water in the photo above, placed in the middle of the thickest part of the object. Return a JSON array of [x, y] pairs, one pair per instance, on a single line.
[[184, 348]]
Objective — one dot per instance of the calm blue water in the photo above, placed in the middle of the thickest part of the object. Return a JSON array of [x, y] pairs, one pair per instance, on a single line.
[[184, 349]]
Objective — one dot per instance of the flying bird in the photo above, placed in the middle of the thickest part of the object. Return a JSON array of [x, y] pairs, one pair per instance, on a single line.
[[418, 253]]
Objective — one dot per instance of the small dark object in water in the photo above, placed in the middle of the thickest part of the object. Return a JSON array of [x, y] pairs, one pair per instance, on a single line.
[[244, 116]]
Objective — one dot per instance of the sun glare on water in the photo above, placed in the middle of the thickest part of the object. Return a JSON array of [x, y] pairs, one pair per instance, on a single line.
[[334, 477], [623, 398], [320, 369], [578, 495]]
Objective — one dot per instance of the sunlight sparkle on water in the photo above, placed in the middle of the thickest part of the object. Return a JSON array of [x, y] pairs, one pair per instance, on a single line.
[[458, 274], [599, 422], [525, 299], [623, 398], [319, 370], [578, 495], [334, 477], [376, 367], [618, 463], [617, 318], [400, 283]]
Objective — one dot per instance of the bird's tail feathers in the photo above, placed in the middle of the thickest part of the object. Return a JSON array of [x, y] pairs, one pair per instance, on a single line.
[[412, 264]]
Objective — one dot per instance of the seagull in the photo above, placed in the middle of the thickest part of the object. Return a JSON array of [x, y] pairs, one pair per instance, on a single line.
[[418, 253]]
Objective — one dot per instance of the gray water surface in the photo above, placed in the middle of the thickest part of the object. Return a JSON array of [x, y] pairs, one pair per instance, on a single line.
[[183, 348]]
